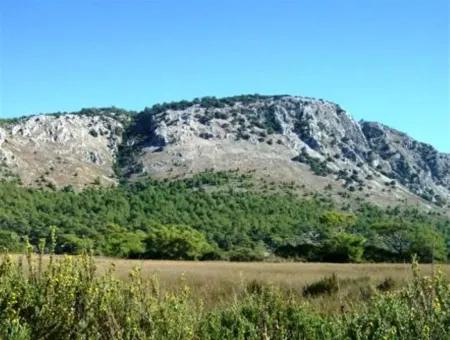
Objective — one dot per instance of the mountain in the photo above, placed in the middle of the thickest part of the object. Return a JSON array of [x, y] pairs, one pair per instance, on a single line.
[[311, 143]]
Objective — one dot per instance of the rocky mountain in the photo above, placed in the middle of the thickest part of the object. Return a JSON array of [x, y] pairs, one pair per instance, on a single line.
[[311, 143], [62, 149]]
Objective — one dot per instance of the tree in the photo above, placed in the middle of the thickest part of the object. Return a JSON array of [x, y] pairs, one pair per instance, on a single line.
[[9, 241], [394, 238], [176, 242], [121, 242], [344, 247], [427, 244], [72, 244], [336, 221]]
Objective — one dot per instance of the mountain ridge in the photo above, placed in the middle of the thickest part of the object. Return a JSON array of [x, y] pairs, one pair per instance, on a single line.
[[310, 141]]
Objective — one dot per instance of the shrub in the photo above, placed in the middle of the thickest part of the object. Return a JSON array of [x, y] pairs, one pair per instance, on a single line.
[[68, 299], [9, 241], [344, 247], [328, 285], [386, 285], [229, 210], [176, 242], [318, 167], [242, 254]]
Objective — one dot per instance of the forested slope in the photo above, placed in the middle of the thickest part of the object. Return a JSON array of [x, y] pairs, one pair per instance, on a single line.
[[217, 215]]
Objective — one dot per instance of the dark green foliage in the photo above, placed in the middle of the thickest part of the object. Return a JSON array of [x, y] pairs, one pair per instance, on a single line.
[[249, 253], [328, 285], [238, 222], [317, 166], [115, 240], [344, 247], [9, 121], [136, 135], [272, 124], [72, 244], [69, 299], [9, 241], [177, 242]]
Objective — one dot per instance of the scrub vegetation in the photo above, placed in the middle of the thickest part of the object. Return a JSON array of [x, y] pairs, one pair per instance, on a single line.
[[71, 298], [217, 216]]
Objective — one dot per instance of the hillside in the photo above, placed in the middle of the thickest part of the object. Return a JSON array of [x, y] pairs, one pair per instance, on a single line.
[[312, 143], [217, 215], [241, 178]]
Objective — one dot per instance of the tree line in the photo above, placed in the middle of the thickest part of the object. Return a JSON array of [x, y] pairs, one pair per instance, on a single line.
[[216, 216]]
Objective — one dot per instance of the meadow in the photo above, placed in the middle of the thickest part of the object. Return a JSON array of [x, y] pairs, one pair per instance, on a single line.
[[219, 281], [206, 258], [83, 297]]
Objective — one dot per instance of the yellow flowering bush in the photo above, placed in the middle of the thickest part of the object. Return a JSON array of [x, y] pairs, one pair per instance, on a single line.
[[68, 299]]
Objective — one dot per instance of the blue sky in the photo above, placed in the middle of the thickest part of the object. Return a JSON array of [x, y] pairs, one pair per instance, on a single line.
[[383, 60]]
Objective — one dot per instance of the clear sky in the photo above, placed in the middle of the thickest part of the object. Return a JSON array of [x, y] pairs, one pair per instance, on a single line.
[[383, 60]]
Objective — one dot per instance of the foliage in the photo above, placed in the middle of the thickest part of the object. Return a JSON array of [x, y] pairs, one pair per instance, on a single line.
[[223, 210], [68, 299], [319, 167], [118, 241], [327, 285], [250, 253], [9, 121], [9, 241], [344, 247], [176, 242]]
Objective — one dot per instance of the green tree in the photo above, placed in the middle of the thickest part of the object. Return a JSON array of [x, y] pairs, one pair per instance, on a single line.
[[176, 242], [344, 247], [428, 244], [394, 239], [9, 241], [72, 244], [336, 221], [118, 241]]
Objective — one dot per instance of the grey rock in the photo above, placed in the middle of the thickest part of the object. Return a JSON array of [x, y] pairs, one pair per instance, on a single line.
[[309, 141]]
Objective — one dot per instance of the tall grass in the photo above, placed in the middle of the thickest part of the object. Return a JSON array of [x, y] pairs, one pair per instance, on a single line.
[[67, 298]]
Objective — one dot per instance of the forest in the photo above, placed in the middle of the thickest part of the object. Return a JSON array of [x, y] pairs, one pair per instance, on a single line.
[[216, 216]]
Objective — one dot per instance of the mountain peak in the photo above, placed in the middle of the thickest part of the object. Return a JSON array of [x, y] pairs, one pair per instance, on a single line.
[[312, 142]]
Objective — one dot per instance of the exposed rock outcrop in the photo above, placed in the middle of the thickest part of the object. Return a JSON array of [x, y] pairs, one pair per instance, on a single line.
[[308, 141], [71, 149]]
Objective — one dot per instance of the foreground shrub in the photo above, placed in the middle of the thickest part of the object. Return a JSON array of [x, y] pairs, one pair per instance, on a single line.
[[67, 299], [420, 311], [266, 313]]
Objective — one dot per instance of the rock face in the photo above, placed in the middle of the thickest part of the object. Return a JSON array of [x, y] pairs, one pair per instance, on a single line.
[[417, 166], [311, 142], [49, 150]]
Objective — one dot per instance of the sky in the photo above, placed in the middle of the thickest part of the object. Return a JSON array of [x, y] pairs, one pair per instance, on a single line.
[[381, 60]]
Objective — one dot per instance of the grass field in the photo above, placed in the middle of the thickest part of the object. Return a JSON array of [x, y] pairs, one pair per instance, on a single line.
[[85, 297], [217, 282]]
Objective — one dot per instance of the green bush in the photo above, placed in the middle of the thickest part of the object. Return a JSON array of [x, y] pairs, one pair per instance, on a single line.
[[232, 213], [344, 247], [247, 254], [328, 285], [72, 244], [9, 241], [67, 299], [176, 242]]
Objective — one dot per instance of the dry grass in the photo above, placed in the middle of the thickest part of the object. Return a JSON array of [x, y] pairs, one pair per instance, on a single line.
[[219, 282]]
